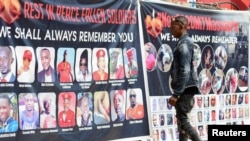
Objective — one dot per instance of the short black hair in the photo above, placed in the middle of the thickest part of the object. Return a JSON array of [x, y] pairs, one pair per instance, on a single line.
[[5, 96], [181, 19]]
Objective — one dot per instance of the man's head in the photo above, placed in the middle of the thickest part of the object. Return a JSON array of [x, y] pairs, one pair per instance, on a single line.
[[163, 134], [6, 59], [199, 116], [29, 101], [27, 57], [162, 119], [101, 62], [45, 58], [246, 98], [213, 114], [240, 98], [162, 103], [199, 101], [85, 105], [200, 128], [154, 104], [206, 101], [234, 112], [179, 26], [130, 54], [156, 134], [132, 97], [154, 117], [66, 101], [5, 107], [213, 101], [114, 60], [118, 101], [221, 114], [47, 105]]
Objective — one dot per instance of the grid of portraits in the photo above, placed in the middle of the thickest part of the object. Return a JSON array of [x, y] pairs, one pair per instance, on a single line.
[[225, 109], [85, 110], [67, 65]]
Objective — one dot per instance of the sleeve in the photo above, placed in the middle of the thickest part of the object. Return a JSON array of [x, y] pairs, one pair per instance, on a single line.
[[183, 70]]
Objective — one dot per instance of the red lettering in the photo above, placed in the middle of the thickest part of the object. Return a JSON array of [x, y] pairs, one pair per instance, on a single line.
[[33, 10], [165, 18], [67, 13], [50, 12]]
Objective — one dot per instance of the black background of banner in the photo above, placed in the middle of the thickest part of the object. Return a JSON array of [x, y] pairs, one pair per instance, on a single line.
[[125, 131], [158, 80]]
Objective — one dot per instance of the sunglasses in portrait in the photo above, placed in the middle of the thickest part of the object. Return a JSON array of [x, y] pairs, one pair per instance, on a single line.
[[132, 95], [83, 64]]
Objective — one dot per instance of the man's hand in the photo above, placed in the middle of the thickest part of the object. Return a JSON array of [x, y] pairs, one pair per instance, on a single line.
[[172, 100]]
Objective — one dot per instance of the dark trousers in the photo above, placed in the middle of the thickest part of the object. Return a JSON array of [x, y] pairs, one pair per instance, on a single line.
[[183, 107]]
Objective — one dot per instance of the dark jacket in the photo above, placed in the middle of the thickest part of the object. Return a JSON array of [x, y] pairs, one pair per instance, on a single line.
[[41, 75], [181, 66]]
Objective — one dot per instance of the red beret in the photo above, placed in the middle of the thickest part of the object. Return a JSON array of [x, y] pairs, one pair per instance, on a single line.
[[130, 52], [100, 53], [27, 54], [119, 92], [66, 96]]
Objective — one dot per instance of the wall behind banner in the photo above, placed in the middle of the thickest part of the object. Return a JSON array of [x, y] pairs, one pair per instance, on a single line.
[[57, 95], [223, 39]]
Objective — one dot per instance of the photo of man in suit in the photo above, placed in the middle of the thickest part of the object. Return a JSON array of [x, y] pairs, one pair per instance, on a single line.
[[47, 74], [6, 73]]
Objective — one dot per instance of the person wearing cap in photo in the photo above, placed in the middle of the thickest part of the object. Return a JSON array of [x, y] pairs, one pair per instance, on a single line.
[[84, 74], [66, 117], [25, 72], [47, 74], [131, 67], [116, 67], [135, 109], [184, 87], [64, 69], [101, 73], [6, 74]]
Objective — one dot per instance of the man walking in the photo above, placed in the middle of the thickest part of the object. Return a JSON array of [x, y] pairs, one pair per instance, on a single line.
[[183, 86]]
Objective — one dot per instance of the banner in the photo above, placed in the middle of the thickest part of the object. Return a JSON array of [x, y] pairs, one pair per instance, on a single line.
[[223, 41], [71, 70]]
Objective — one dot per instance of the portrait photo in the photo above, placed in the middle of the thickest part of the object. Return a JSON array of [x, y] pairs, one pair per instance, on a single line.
[[46, 67], [83, 66], [66, 109], [28, 111], [84, 109], [8, 113], [8, 57], [65, 64], [47, 103], [26, 62], [135, 105]]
